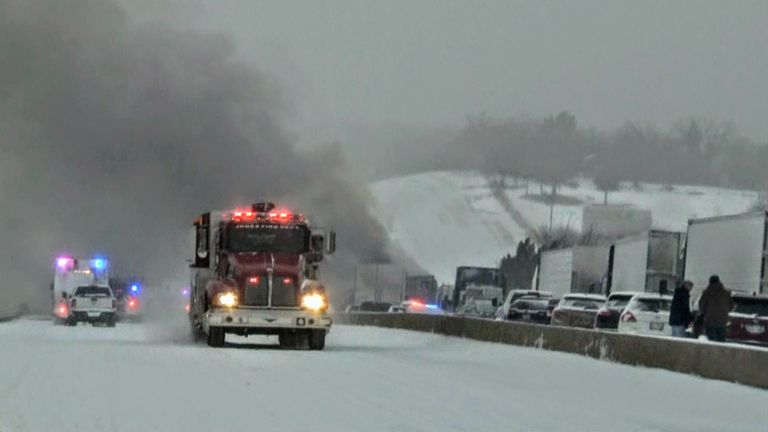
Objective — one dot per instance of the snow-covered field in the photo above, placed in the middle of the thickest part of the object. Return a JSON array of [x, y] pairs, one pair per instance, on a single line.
[[149, 378], [447, 219]]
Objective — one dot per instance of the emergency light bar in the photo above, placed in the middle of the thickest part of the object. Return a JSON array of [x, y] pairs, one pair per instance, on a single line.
[[281, 215]]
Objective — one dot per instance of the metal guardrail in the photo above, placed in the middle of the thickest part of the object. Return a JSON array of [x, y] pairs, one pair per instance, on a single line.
[[744, 365]]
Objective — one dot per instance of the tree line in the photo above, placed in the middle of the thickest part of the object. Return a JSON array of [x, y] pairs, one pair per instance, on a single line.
[[553, 149]]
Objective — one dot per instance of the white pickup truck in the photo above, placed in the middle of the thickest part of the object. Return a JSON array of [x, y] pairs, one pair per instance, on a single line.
[[93, 304]]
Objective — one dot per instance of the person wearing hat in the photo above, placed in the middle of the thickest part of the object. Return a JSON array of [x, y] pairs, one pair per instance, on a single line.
[[714, 305]]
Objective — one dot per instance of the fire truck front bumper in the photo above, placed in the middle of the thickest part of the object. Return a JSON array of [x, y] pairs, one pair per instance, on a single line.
[[265, 321]]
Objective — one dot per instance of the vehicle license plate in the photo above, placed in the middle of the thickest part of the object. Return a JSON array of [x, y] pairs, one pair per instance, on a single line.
[[755, 328]]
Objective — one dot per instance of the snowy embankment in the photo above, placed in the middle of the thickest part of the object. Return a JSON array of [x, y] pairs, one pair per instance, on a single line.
[[138, 377], [447, 219]]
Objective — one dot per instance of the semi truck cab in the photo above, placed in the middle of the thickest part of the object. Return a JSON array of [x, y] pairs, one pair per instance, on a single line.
[[255, 272]]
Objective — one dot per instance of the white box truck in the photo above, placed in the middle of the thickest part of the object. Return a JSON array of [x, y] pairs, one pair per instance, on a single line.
[[647, 262], [733, 247], [579, 269]]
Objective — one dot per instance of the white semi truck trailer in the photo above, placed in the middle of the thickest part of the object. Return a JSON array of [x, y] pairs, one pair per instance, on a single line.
[[733, 247], [647, 262], [579, 269]]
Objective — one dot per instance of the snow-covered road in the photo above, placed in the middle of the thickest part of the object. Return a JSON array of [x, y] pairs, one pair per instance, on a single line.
[[150, 378]]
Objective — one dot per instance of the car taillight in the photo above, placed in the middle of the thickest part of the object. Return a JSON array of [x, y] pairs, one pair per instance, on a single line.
[[628, 317], [604, 313]]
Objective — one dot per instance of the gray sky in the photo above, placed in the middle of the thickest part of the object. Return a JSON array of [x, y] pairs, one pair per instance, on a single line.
[[432, 62]]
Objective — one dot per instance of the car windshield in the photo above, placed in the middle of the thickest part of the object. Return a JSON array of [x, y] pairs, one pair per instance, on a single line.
[[276, 238], [95, 291], [531, 304], [581, 303], [618, 301], [750, 306], [652, 305]]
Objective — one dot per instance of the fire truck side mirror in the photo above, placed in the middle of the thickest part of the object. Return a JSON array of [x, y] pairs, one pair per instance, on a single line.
[[330, 244], [317, 243]]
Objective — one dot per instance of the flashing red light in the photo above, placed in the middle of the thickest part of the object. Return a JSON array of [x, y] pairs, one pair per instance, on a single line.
[[65, 263], [241, 215], [287, 281], [254, 280], [132, 303], [62, 311], [186, 307]]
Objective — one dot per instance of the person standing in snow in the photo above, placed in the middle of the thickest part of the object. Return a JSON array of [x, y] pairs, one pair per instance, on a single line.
[[680, 314], [714, 306]]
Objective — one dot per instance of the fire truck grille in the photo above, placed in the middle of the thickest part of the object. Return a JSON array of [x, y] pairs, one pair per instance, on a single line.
[[256, 295]]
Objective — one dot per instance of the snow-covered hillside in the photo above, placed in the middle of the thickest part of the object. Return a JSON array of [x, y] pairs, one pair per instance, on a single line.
[[447, 219]]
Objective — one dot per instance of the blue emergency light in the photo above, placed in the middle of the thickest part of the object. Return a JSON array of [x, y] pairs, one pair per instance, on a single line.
[[99, 263]]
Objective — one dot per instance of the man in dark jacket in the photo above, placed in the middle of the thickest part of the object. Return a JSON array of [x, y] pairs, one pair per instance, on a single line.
[[714, 306], [680, 314]]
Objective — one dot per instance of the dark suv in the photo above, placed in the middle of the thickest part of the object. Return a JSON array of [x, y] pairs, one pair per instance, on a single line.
[[608, 315]]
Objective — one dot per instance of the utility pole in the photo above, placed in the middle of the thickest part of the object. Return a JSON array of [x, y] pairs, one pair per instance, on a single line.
[[376, 293], [354, 287]]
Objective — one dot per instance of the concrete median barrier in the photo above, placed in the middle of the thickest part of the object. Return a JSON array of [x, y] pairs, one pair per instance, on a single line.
[[744, 365]]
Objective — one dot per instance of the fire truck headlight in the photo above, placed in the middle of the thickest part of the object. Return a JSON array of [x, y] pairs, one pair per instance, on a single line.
[[227, 299], [313, 301]]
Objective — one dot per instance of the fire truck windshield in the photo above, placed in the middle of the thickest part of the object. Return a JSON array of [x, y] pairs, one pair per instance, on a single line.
[[276, 238]]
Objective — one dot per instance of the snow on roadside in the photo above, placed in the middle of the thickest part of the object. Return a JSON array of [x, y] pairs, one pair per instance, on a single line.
[[94, 379]]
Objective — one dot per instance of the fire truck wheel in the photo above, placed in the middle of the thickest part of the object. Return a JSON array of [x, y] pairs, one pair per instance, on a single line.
[[111, 322], [317, 340], [216, 337]]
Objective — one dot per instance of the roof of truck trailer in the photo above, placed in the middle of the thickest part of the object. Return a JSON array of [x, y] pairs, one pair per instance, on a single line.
[[644, 235], [727, 217]]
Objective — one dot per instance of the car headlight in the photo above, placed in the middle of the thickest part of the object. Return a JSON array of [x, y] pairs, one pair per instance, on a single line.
[[313, 301], [226, 299]]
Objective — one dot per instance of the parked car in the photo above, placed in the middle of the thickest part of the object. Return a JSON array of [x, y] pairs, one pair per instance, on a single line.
[[372, 306], [647, 313], [513, 295], [530, 309], [577, 310], [608, 315], [748, 321]]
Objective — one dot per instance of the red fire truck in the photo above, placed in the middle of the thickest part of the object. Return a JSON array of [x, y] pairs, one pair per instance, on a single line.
[[255, 271]]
